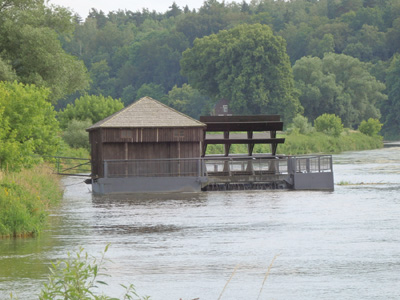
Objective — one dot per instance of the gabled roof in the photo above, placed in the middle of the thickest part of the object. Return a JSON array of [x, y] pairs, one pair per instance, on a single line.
[[147, 112]]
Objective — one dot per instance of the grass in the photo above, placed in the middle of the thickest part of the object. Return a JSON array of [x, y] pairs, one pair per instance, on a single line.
[[25, 198]]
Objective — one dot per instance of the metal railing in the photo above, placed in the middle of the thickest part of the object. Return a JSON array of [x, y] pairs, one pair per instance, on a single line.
[[154, 168], [246, 166], [217, 166], [313, 164]]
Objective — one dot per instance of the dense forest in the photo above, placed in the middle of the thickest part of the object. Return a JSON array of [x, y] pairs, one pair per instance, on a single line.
[[304, 57]]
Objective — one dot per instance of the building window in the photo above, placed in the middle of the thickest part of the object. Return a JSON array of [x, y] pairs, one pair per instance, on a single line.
[[225, 108], [126, 134], [179, 133]]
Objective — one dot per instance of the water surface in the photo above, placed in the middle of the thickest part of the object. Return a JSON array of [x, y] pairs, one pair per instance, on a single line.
[[329, 245]]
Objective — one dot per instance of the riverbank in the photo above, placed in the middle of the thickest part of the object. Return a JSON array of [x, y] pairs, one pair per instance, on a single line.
[[25, 198], [316, 142]]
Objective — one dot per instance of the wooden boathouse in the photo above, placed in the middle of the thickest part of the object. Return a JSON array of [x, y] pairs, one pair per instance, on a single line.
[[150, 147], [145, 139]]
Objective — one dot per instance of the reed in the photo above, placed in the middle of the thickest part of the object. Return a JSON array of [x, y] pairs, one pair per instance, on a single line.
[[25, 198], [79, 277], [267, 274], [226, 284]]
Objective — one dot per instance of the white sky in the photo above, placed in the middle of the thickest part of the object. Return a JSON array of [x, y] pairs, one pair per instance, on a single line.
[[82, 7]]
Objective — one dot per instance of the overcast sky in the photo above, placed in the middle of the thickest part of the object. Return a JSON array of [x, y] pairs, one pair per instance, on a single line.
[[82, 7]]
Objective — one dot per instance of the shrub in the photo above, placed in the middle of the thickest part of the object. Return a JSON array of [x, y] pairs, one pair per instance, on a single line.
[[76, 135], [300, 125], [370, 127], [28, 126], [329, 124]]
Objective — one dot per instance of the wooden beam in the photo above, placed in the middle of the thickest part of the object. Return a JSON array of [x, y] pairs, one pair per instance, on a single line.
[[235, 119], [244, 141], [245, 126]]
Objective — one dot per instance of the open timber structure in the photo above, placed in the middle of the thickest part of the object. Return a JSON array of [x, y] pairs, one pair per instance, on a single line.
[[150, 147]]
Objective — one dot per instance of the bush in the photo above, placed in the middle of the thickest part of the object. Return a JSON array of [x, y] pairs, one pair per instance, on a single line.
[[370, 127], [300, 125], [76, 135], [28, 126], [329, 124]]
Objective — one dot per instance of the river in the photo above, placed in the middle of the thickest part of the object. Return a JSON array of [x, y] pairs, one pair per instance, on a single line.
[[343, 244]]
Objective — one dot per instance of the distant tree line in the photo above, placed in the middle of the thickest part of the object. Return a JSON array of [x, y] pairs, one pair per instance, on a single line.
[[131, 53], [303, 57]]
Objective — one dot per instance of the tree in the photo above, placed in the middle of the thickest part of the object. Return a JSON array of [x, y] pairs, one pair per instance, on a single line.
[[247, 65], [188, 101], [370, 127], [329, 124], [93, 108], [300, 125], [76, 135], [391, 108], [338, 84], [155, 59], [27, 124], [152, 90], [29, 41]]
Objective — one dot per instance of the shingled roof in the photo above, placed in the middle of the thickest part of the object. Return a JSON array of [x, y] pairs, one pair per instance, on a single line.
[[147, 112]]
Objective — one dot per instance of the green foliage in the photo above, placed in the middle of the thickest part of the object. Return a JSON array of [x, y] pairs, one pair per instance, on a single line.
[[66, 151], [318, 142], [7, 73], [78, 277], [24, 200], [152, 90], [27, 125], [315, 142], [329, 124], [300, 125], [370, 127], [247, 65], [338, 84], [93, 108], [391, 108], [188, 101], [30, 43], [75, 135], [124, 50]]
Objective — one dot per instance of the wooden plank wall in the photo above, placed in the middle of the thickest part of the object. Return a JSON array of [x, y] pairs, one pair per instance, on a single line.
[[146, 143], [140, 135]]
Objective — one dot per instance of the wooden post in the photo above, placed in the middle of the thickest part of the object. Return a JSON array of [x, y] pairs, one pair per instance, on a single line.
[[227, 145]]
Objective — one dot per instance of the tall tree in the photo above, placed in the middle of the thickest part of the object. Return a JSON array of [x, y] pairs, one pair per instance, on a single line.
[[27, 124], [391, 108], [338, 84], [247, 65], [29, 42]]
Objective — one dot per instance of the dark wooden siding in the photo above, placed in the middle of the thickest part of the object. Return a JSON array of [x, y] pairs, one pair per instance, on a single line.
[[142, 143], [96, 153], [140, 135]]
